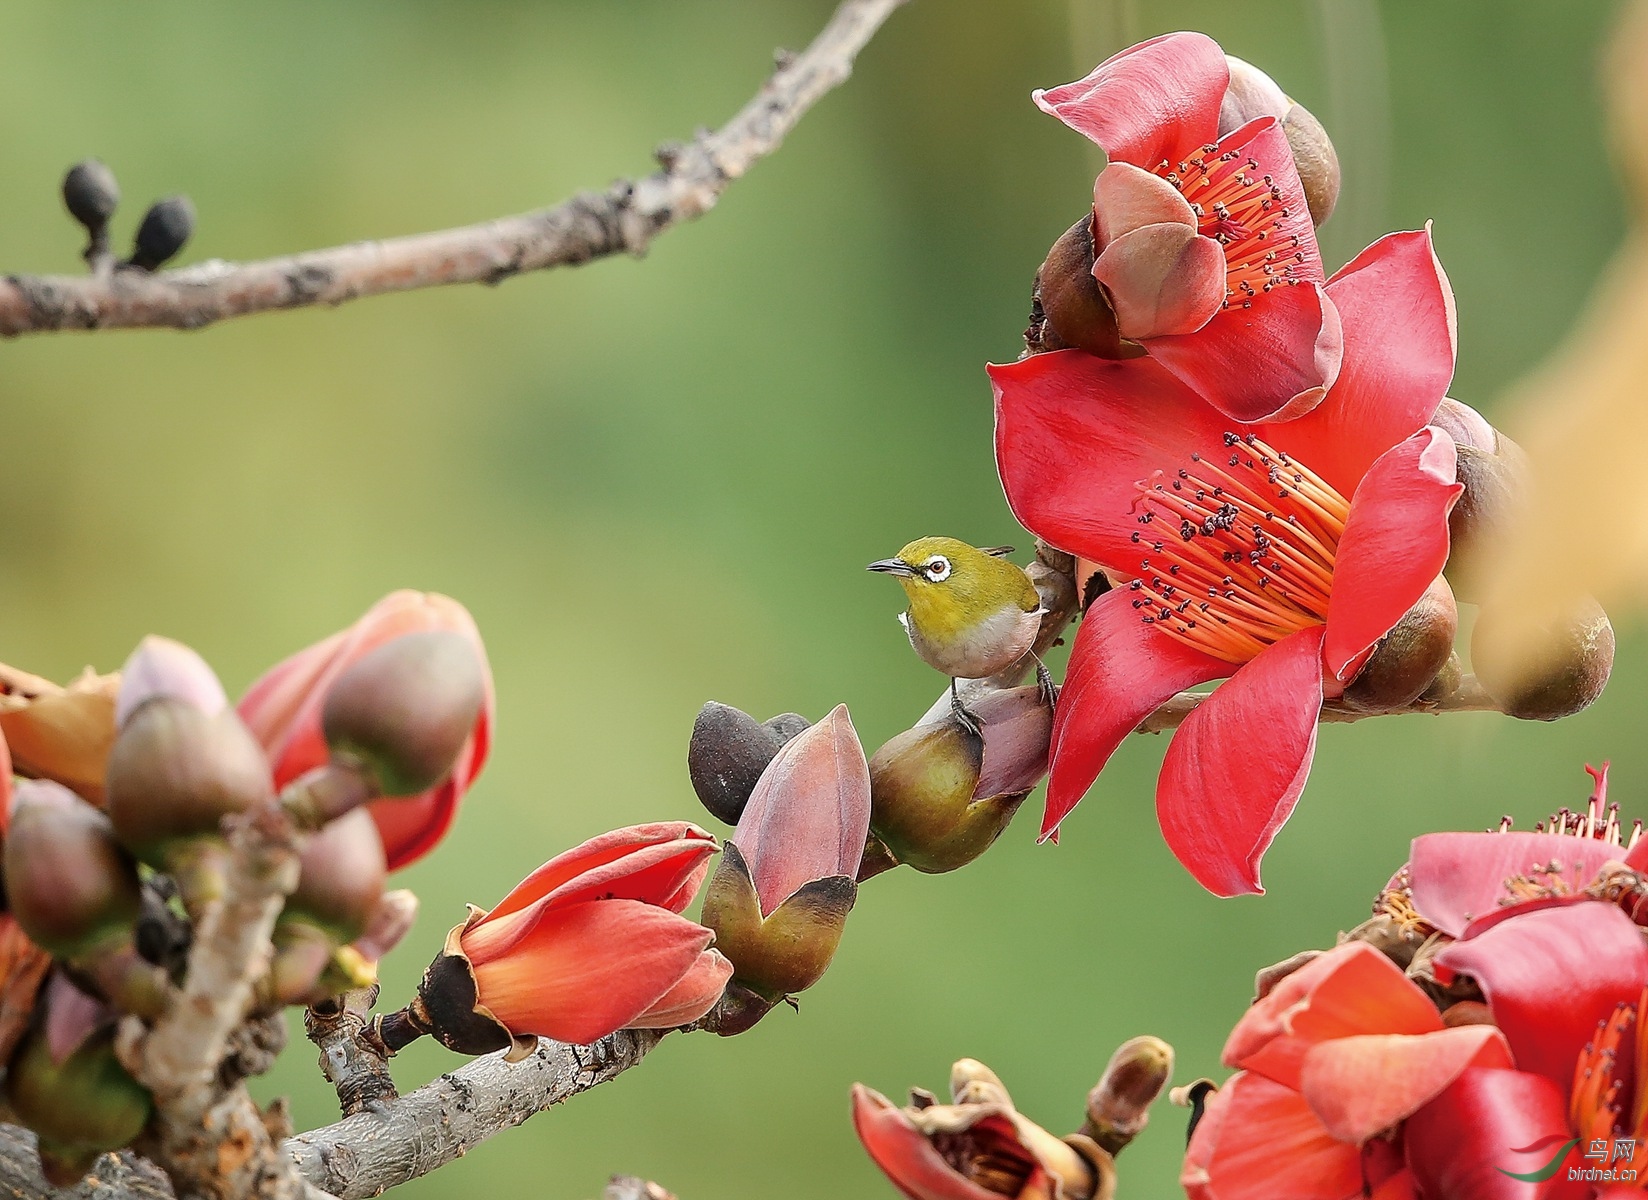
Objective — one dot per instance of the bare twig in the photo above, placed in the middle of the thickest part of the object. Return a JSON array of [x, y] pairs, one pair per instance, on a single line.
[[622, 219], [357, 1068], [207, 1134], [362, 1155]]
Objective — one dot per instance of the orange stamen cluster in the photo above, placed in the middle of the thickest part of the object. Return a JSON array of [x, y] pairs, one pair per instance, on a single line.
[[1597, 1106], [1242, 210], [1239, 549]]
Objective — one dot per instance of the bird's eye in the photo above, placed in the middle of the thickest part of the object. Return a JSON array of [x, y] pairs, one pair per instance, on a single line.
[[938, 568]]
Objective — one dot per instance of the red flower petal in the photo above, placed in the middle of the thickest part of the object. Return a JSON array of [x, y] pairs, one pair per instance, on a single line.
[[583, 971], [809, 815], [1361, 1086], [1267, 1143], [1550, 975], [1235, 768], [1397, 310], [1272, 361], [1262, 141], [1157, 100], [1457, 877], [1120, 670], [639, 862], [1462, 1143], [1395, 543], [1074, 432], [692, 997], [1162, 279], [1351, 990], [903, 1152]]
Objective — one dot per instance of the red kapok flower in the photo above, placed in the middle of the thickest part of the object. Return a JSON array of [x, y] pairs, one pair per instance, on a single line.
[[283, 710], [1204, 244], [1452, 879], [1339, 1054], [1276, 554], [589, 943]]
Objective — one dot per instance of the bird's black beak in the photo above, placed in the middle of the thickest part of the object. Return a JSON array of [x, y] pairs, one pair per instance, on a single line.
[[892, 566]]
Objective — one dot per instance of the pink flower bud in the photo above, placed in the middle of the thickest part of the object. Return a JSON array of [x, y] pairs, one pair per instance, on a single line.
[[161, 667], [284, 711]]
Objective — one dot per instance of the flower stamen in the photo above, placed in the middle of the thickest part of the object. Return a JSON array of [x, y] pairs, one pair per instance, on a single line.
[[1242, 210], [1240, 551]]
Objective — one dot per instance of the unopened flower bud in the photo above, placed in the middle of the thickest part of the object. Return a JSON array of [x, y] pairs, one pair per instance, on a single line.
[[1253, 94], [80, 1108], [1447, 682], [174, 774], [161, 667], [390, 921], [778, 900], [90, 193], [340, 878], [1396, 940], [165, 229], [728, 752], [71, 887], [1408, 658], [1068, 308], [1118, 1107], [1541, 668], [941, 795], [1466, 426], [406, 710], [1495, 496]]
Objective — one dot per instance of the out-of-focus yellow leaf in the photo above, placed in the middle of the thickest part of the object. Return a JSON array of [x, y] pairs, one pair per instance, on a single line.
[[59, 733]]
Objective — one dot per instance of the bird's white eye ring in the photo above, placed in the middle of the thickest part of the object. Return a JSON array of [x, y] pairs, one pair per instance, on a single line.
[[937, 568]]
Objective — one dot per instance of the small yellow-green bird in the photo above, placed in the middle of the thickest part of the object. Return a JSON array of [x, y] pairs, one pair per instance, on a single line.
[[972, 613]]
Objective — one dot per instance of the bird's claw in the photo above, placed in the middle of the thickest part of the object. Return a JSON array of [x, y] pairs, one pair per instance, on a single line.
[[1045, 685], [965, 717]]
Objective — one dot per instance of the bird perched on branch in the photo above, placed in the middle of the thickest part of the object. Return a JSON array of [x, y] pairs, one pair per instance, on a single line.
[[972, 613]]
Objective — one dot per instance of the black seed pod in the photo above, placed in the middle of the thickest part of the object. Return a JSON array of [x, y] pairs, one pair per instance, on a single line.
[[165, 230], [91, 194]]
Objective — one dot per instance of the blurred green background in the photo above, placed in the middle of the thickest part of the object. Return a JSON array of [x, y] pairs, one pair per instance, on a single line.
[[658, 482]]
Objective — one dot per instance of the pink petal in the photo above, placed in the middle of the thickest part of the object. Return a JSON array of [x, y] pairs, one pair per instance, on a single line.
[[1162, 279], [1361, 1086], [1126, 198], [809, 815], [589, 969], [1550, 975], [1397, 310], [1268, 1144], [1235, 768], [904, 1154], [1395, 543], [1462, 1143], [1271, 361], [1457, 877], [1262, 142], [1349, 991], [1073, 434], [1120, 670], [1154, 101]]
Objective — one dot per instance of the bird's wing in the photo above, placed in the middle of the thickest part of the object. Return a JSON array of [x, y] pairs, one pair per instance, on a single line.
[[996, 551]]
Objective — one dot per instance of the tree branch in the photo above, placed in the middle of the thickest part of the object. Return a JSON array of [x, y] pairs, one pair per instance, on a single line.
[[1469, 696], [625, 218], [362, 1155]]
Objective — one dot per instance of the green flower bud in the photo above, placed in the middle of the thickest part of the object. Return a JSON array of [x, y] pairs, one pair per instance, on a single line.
[[406, 709], [174, 774], [1118, 1107], [72, 888], [80, 1108], [1409, 658], [90, 193], [940, 795], [1543, 668], [165, 229], [1067, 306], [728, 752]]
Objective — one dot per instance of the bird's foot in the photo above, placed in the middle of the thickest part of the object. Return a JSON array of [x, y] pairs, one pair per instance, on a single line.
[[1044, 684], [965, 717]]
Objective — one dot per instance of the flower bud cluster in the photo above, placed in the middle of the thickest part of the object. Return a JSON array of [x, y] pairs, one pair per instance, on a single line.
[[119, 805], [91, 194]]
